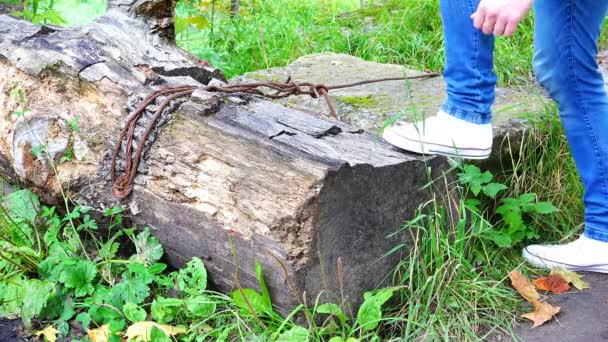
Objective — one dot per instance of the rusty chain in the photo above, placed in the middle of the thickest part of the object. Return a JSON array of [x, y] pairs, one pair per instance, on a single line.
[[122, 186]]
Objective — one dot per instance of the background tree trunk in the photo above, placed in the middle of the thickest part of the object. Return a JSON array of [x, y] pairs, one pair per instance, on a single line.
[[234, 7]]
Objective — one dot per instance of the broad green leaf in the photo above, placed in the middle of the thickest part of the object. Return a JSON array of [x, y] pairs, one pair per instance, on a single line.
[[85, 319], [527, 198], [545, 208], [500, 239], [132, 288], [255, 299], [37, 293], [200, 306], [148, 248], [193, 278], [134, 313], [492, 189], [370, 312], [164, 310], [295, 334], [157, 335], [22, 206], [79, 277], [332, 309], [11, 296], [263, 287], [157, 268]]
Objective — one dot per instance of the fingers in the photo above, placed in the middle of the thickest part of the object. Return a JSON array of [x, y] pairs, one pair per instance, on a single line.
[[501, 25], [512, 26], [484, 20], [491, 23], [479, 17]]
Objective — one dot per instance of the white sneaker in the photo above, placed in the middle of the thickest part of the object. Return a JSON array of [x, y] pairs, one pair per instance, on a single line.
[[443, 134], [584, 254]]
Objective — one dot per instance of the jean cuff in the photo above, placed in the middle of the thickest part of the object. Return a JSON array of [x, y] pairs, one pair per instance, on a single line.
[[596, 234], [466, 115]]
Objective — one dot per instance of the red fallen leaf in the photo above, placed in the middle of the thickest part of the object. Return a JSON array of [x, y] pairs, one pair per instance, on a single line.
[[554, 283]]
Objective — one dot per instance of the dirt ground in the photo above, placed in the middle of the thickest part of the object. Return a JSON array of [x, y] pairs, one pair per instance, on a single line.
[[9, 330]]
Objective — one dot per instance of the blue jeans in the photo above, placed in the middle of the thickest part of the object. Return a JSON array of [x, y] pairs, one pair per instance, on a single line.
[[566, 34]]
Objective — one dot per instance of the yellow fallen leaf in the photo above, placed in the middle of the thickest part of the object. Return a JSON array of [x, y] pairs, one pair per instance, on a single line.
[[49, 333], [140, 331], [523, 286], [543, 312], [573, 278], [101, 334]]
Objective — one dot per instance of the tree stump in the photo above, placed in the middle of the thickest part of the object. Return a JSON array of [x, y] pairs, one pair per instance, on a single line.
[[313, 200]]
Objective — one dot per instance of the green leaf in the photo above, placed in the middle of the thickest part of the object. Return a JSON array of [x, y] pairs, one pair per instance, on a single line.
[[341, 339], [193, 278], [132, 288], [527, 198], [79, 277], [500, 239], [492, 189], [295, 334], [37, 293], [200, 306], [370, 312], [545, 208], [11, 296], [486, 177], [164, 310], [22, 205], [74, 123], [263, 287], [37, 150], [148, 248], [332, 309], [157, 335], [369, 315], [134, 313], [85, 319], [157, 268], [59, 305], [255, 299]]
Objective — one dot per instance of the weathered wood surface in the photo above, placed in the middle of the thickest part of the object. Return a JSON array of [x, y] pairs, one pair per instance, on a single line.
[[291, 189]]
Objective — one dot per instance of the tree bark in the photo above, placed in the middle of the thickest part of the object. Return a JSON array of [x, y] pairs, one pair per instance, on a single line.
[[235, 5], [313, 200]]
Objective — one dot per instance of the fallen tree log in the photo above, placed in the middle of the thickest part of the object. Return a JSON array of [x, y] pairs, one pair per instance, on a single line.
[[224, 175]]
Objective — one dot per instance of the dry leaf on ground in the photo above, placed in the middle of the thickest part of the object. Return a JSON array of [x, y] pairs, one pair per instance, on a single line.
[[49, 333], [101, 334], [573, 278], [523, 286], [554, 283], [543, 312], [140, 331]]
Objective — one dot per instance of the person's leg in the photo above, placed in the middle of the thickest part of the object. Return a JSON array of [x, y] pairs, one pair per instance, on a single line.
[[463, 126], [469, 60], [565, 63]]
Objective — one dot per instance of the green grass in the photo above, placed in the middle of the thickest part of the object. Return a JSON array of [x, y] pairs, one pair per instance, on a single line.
[[401, 32]]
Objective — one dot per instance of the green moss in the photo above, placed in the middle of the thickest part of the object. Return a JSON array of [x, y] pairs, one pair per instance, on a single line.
[[365, 102]]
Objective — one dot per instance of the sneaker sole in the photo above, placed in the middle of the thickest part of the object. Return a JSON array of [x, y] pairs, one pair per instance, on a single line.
[[546, 263], [419, 147]]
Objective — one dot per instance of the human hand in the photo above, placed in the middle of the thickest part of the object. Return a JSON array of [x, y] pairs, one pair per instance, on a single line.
[[500, 17]]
